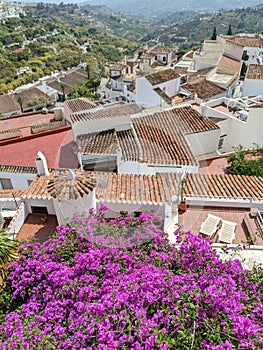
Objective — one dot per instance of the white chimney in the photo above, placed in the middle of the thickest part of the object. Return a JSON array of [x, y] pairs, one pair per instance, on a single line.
[[41, 164]]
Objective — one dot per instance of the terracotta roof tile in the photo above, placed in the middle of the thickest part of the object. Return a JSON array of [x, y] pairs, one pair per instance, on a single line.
[[10, 194], [61, 184], [255, 71], [229, 65], [69, 184], [224, 185], [162, 76], [104, 142], [141, 189], [79, 104], [162, 139], [16, 169], [129, 145], [159, 49], [203, 88], [38, 188], [109, 112], [245, 41]]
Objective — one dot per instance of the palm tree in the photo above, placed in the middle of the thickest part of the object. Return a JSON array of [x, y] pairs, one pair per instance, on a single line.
[[8, 252]]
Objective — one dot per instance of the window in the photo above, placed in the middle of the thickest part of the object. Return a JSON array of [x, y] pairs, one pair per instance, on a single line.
[[39, 210], [221, 142], [164, 58], [6, 184]]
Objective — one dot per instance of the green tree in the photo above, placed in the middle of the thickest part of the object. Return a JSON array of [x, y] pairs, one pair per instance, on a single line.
[[229, 32], [214, 35], [20, 101]]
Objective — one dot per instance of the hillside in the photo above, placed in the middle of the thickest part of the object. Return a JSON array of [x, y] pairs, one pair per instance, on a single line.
[[155, 7]]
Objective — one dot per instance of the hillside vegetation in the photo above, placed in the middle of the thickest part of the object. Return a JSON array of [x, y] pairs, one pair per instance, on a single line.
[[156, 7]]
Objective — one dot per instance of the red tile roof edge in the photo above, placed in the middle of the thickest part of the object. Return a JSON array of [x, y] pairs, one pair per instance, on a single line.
[[34, 136]]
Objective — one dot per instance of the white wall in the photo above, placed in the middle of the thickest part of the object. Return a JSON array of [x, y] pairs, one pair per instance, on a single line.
[[145, 95], [171, 87], [253, 53], [97, 125], [252, 87], [18, 221], [249, 132], [116, 208], [19, 181], [48, 203], [223, 202], [67, 209], [202, 143]]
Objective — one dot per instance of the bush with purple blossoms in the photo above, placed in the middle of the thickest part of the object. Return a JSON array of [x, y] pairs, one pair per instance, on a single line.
[[120, 285]]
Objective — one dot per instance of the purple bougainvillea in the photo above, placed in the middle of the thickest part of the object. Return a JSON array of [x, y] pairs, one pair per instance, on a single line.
[[119, 284]]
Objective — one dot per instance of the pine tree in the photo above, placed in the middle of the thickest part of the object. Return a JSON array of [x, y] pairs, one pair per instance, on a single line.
[[229, 32], [214, 35]]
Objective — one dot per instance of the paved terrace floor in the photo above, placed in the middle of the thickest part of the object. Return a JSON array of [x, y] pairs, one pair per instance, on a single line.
[[213, 166], [192, 218], [36, 226]]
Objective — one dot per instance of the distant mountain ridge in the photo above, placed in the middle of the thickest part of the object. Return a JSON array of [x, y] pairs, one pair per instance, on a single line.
[[155, 7]]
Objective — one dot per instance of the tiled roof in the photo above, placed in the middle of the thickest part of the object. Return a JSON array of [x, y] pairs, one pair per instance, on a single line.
[[16, 169], [8, 104], [229, 65], [159, 49], [224, 185], [79, 104], [162, 139], [10, 194], [73, 78], [69, 185], [117, 66], [180, 70], [104, 142], [245, 41], [26, 95], [38, 188], [201, 73], [57, 86], [255, 71], [137, 189], [163, 95], [162, 76], [203, 88], [129, 145], [109, 112], [61, 184]]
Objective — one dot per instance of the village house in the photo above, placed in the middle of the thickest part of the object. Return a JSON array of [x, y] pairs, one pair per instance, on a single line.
[[253, 83], [121, 83], [240, 121], [251, 45], [157, 88], [127, 139], [148, 59], [54, 196]]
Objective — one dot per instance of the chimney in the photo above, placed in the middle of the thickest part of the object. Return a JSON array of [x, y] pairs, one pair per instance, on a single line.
[[41, 164]]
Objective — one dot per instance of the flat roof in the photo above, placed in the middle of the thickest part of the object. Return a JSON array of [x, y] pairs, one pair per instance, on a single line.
[[25, 121], [57, 146]]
